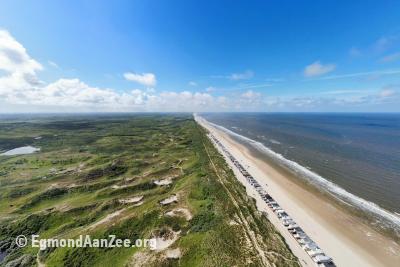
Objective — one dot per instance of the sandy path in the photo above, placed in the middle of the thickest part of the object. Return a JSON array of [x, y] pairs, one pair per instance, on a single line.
[[242, 218], [106, 219], [342, 236]]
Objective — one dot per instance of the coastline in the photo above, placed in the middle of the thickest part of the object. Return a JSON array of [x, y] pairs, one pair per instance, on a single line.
[[343, 236]]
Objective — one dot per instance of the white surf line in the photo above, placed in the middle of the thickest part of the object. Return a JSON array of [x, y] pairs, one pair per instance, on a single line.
[[302, 239], [336, 191]]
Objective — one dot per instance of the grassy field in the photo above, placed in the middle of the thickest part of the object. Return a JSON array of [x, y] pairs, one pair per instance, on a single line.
[[90, 166]]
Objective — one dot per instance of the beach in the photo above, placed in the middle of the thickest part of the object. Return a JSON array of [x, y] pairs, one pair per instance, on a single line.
[[341, 235]]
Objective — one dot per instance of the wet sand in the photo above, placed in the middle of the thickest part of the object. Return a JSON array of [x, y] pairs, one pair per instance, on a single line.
[[342, 236]]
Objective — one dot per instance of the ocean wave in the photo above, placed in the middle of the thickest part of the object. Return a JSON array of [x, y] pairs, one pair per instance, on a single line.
[[383, 216], [273, 141]]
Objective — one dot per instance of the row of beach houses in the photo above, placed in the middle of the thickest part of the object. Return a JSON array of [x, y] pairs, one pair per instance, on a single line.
[[309, 246]]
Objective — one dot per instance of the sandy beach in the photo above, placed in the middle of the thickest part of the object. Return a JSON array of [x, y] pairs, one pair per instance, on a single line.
[[341, 235]]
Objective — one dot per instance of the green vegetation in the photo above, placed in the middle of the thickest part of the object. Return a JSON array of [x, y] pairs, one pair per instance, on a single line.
[[89, 165]]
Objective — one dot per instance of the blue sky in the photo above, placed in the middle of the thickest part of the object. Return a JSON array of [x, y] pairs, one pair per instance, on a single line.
[[199, 56]]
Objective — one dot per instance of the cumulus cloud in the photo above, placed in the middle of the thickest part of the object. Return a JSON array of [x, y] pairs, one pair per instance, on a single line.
[[13, 56], [20, 70], [75, 93], [147, 79], [250, 94], [250, 99], [20, 85], [185, 101], [317, 69], [191, 83]]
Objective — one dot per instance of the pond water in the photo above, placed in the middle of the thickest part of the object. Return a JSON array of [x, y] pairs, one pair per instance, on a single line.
[[21, 151]]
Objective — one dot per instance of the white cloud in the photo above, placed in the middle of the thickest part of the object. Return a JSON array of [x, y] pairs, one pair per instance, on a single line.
[[18, 67], [210, 89], [248, 86], [20, 87], [250, 94], [375, 73], [191, 83], [248, 74], [75, 93], [13, 56], [241, 76], [148, 79], [343, 92], [185, 101], [22, 90], [251, 100], [53, 64], [150, 90], [317, 69]]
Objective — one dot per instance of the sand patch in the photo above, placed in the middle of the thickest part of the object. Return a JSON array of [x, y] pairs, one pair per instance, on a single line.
[[131, 178], [53, 186], [80, 167], [72, 185], [140, 259], [166, 181], [169, 200], [173, 253], [118, 186], [63, 207], [233, 222], [180, 212], [106, 219], [131, 200], [166, 240]]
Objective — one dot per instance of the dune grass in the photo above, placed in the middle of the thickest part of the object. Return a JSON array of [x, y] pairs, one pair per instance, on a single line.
[[87, 163]]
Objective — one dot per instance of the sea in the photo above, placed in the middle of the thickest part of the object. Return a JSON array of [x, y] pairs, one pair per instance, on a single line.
[[353, 156]]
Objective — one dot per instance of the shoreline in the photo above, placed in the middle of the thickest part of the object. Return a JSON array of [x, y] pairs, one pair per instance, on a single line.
[[302, 175], [390, 229], [343, 236]]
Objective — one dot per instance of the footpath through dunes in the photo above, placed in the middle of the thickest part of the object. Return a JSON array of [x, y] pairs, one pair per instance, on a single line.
[[135, 177], [344, 237]]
